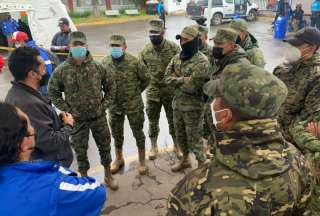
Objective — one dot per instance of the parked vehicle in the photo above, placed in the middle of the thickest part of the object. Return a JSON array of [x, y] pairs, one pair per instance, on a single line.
[[223, 10]]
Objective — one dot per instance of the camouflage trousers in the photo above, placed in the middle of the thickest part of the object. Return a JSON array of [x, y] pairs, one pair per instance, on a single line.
[[189, 130], [153, 111], [313, 161], [136, 121], [80, 138]]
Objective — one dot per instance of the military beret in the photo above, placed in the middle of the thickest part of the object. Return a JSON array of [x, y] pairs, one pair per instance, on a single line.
[[239, 25], [309, 35], [188, 32], [249, 89], [78, 36], [156, 25], [225, 35], [117, 40]]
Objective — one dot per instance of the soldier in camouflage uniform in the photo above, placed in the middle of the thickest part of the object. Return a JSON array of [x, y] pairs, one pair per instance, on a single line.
[[205, 48], [156, 56], [301, 74], [225, 52], [248, 42], [130, 80], [255, 171], [187, 72], [87, 88]]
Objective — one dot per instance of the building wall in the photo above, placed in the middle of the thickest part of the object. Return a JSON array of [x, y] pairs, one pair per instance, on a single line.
[[86, 5]]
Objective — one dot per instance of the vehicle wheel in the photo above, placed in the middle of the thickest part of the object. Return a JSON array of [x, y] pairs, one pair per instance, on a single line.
[[216, 19], [252, 16]]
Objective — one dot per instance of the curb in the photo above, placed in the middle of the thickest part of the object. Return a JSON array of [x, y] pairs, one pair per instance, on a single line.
[[109, 22]]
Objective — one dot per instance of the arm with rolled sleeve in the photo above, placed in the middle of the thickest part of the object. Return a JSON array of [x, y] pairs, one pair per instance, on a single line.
[[55, 89], [80, 196]]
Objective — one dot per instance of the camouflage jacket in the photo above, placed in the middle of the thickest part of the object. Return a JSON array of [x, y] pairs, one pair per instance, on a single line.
[[207, 51], [157, 61], [188, 96], [236, 56], [255, 55], [255, 172], [303, 101], [130, 80], [87, 88]]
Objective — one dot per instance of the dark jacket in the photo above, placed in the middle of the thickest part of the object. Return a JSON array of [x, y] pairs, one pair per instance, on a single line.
[[52, 137]]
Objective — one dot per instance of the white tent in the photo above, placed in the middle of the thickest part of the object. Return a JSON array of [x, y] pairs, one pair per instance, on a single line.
[[43, 16]]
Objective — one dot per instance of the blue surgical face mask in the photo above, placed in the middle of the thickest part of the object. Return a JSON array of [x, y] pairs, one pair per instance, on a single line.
[[78, 52], [116, 52]]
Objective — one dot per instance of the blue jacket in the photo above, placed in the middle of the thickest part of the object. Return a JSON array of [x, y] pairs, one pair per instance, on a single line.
[[44, 188], [160, 8], [9, 26], [44, 55]]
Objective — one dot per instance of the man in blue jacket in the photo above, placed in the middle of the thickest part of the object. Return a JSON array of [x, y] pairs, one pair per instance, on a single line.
[[9, 26], [39, 187]]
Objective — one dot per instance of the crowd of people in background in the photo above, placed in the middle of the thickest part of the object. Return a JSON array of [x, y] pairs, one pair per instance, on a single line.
[[261, 129]]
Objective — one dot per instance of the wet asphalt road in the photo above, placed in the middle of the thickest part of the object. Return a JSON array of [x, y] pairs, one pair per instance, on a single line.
[[136, 36]]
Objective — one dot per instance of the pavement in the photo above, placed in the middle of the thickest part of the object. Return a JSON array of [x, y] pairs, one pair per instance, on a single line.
[[147, 195]]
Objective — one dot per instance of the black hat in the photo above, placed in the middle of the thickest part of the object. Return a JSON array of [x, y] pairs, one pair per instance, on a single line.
[[309, 35], [63, 21]]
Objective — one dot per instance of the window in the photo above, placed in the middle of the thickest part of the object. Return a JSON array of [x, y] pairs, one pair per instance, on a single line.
[[217, 3]]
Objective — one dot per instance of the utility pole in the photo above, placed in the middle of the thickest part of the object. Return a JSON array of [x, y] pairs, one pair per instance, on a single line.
[[70, 6], [96, 11], [209, 17]]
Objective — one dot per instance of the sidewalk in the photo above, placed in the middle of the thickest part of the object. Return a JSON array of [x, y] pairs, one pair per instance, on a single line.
[[144, 195]]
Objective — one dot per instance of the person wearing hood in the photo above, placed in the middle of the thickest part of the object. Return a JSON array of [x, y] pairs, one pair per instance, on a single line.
[[87, 88], [21, 39], [187, 73], [248, 42], [130, 80], [156, 55], [255, 171], [301, 73]]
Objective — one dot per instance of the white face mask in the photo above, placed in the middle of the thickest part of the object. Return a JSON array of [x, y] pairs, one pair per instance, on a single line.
[[17, 45], [292, 54], [213, 113]]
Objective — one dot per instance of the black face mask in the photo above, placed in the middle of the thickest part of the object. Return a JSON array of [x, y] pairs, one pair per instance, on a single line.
[[156, 39], [189, 49], [238, 41], [217, 52], [44, 80]]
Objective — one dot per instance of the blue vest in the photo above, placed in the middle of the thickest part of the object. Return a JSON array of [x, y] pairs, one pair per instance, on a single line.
[[44, 55]]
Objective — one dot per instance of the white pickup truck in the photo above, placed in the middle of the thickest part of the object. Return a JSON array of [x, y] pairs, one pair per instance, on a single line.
[[224, 10]]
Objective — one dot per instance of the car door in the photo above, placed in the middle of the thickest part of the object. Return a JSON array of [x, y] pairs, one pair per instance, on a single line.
[[228, 8]]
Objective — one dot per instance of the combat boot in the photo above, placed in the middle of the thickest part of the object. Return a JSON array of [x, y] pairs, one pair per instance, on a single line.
[[182, 164], [177, 150], [154, 149], [109, 180], [83, 173], [118, 164], [143, 169]]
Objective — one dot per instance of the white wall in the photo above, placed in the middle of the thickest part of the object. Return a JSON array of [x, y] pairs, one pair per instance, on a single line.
[[173, 6]]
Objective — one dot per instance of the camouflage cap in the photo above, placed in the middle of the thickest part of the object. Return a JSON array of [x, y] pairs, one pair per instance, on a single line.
[[239, 25], [202, 30], [309, 35], [225, 35], [78, 36], [188, 32], [117, 40], [156, 25], [249, 89]]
